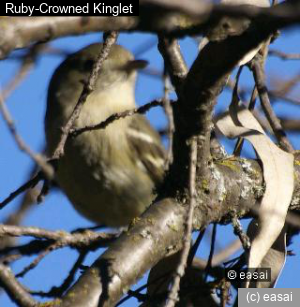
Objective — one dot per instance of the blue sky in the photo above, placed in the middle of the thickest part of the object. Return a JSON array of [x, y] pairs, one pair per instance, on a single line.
[[27, 107]]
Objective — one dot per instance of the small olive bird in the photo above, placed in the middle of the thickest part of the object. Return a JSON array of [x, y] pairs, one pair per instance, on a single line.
[[109, 175]]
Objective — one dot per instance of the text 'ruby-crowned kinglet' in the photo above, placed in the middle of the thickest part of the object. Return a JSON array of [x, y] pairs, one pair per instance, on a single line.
[[108, 175]]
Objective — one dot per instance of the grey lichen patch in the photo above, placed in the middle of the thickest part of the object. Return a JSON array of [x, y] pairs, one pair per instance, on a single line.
[[295, 201], [221, 189], [214, 171], [249, 169], [246, 166], [197, 224], [246, 190], [146, 234], [223, 193], [170, 250], [222, 151], [258, 190], [251, 178], [183, 200], [116, 279]]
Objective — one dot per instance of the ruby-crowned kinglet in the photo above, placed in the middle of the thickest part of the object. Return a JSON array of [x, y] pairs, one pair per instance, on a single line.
[[109, 175]]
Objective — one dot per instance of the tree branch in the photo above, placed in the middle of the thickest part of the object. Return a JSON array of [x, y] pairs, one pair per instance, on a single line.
[[87, 89], [20, 32], [64, 238], [14, 289], [180, 270], [174, 62], [162, 224], [259, 76], [37, 158]]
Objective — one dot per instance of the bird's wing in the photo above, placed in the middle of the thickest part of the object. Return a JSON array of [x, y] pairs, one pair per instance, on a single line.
[[145, 141]]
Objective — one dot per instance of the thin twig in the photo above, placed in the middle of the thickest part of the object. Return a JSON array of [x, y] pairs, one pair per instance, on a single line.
[[10, 258], [127, 297], [286, 86], [44, 191], [59, 291], [141, 110], [34, 247], [74, 133], [290, 124], [252, 101], [25, 204], [259, 76], [238, 230], [225, 294], [27, 62], [87, 90], [27, 185], [239, 143], [151, 72], [283, 55], [173, 293], [272, 93], [264, 53], [170, 117], [37, 158], [48, 171], [14, 289], [211, 252], [64, 238], [38, 259], [195, 247]]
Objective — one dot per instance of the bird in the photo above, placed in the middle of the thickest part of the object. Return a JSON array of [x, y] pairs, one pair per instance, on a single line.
[[234, 26], [109, 175]]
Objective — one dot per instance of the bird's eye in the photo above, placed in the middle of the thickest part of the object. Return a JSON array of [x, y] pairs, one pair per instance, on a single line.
[[88, 65]]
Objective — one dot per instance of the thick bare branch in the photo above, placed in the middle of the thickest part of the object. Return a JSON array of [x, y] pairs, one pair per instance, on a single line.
[[163, 222], [174, 62], [160, 230], [180, 270], [163, 225], [20, 32]]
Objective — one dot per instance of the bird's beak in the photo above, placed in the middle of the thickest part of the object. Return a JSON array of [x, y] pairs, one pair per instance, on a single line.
[[136, 64]]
